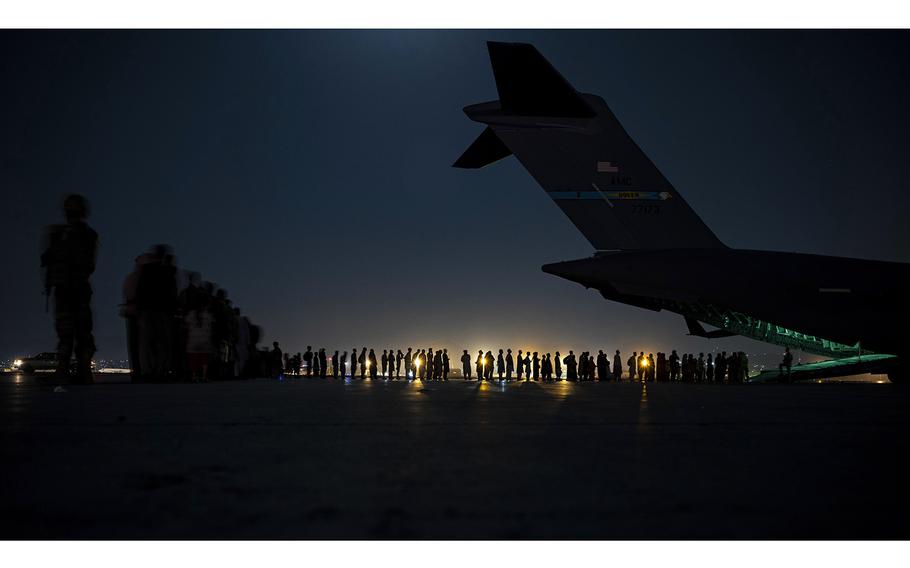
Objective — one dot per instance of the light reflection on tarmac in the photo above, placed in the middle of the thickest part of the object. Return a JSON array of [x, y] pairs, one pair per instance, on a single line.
[[322, 459]]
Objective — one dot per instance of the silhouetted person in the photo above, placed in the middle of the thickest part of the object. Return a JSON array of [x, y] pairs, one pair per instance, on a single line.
[[409, 364], [557, 366], [445, 364], [709, 369], [787, 363], [488, 365], [129, 310], [199, 341], [342, 363], [437, 365], [276, 359], [399, 356], [68, 260], [632, 363], [663, 369], [308, 360], [500, 365], [323, 363], [363, 363], [521, 365], [317, 365], [603, 369], [156, 297], [617, 366], [466, 365], [571, 366], [422, 364], [527, 364], [720, 367], [547, 368], [374, 367], [479, 366], [674, 366], [353, 363], [535, 366], [641, 366]]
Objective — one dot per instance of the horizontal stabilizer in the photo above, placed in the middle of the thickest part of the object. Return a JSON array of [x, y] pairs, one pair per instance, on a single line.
[[698, 330], [528, 85], [488, 148]]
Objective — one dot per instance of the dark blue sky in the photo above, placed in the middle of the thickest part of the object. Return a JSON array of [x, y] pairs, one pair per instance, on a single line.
[[309, 172]]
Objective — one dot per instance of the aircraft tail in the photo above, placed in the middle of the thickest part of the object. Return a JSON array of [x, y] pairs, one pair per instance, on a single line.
[[576, 149]]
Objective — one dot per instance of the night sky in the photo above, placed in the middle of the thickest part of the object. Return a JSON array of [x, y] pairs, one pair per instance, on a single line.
[[308, 173]]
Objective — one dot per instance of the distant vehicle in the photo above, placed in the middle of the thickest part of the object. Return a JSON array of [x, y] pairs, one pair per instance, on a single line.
[[46, 361], [651, 250]]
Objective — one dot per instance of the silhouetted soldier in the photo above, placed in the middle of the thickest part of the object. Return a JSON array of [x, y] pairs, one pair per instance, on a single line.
[[363, 363], [632, 363], [308, 360], [398, 359], [617, 366], [510, 365], [68, 260], [521, 366], [557, 366], [445, 364], [466, 365], [535, 366], [500, 365], [353, 363], [787, 363]]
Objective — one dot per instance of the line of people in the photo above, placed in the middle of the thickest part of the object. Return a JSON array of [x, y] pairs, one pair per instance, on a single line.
[[429, 365], [193, 332]]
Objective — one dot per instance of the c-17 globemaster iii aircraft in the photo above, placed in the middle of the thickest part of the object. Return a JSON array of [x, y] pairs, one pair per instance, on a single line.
[[654, 252]]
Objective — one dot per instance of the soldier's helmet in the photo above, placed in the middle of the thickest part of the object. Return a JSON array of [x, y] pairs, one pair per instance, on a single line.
[[75, 207]]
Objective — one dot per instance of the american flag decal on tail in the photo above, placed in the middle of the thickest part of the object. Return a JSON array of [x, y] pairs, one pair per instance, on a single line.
[[607, 168]]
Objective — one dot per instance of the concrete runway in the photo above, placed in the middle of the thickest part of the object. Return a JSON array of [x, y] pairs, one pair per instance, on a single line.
[[306, 459]]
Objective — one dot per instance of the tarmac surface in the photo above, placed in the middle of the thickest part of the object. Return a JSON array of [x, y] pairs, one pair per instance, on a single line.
[[310, 459]]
